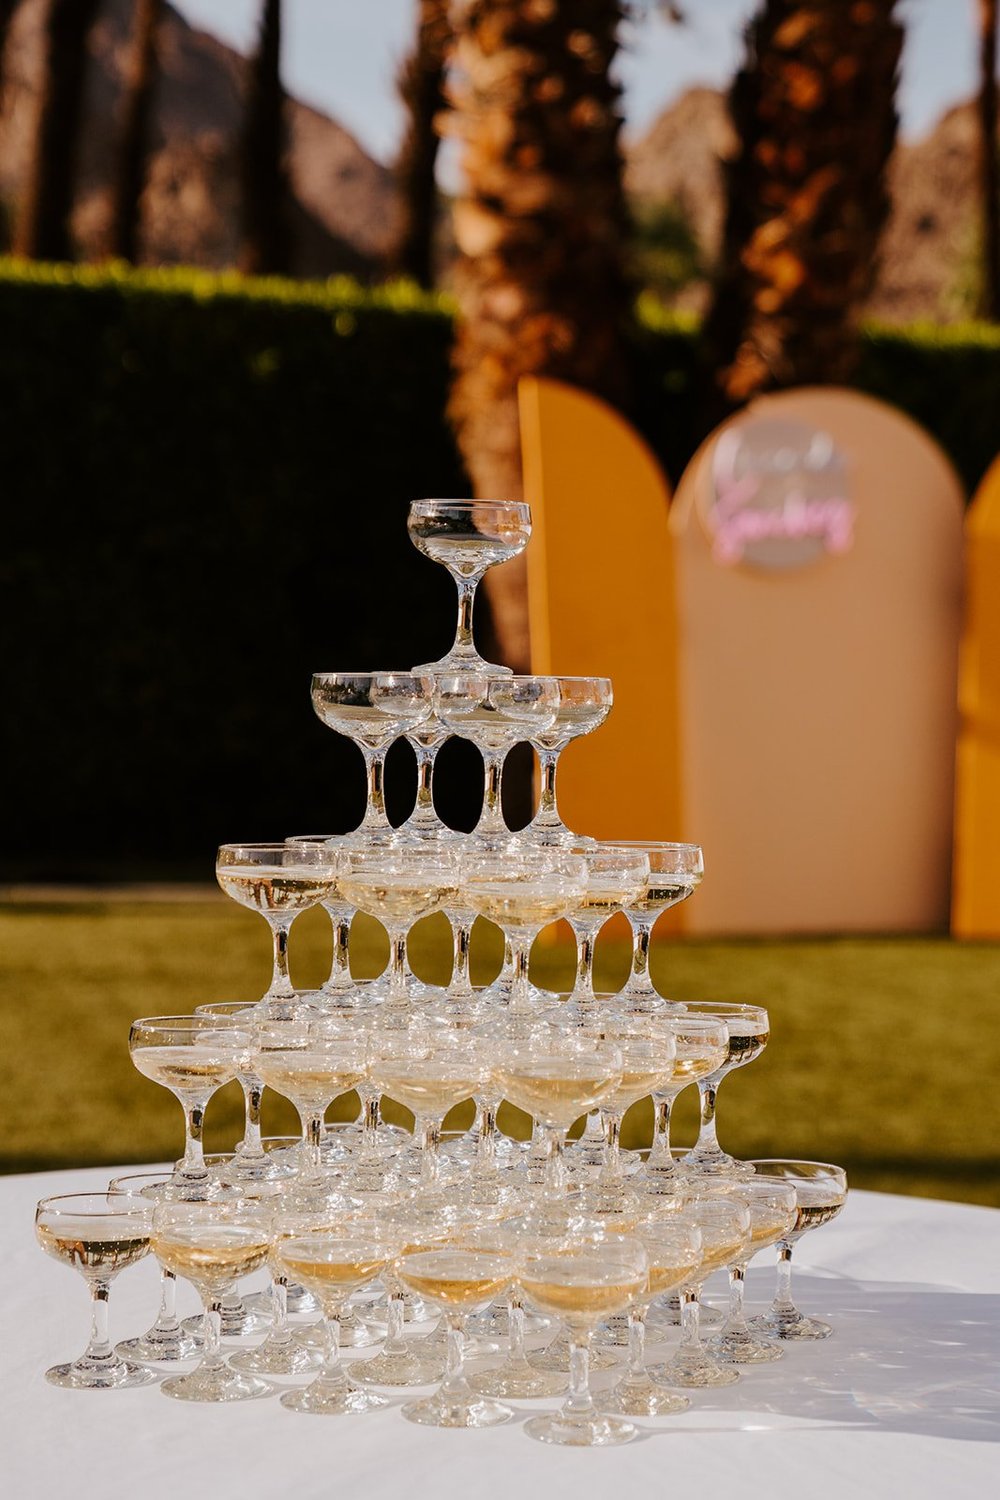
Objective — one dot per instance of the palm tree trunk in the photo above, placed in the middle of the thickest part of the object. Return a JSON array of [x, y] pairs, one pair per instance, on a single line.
[[265, 236], [989, 159], [42, 231], [421, 88], [814, 111], [542, 228], [130, 172]]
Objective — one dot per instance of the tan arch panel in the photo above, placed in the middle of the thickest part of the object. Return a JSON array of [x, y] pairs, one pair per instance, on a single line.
[[818, 703], [601, 601], [976, 905]]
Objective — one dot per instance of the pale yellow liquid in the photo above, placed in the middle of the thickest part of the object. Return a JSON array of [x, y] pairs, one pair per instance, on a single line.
[[276, 888], [76, 1242], [518, 904], [215, 1254], [583, 1301], [185, 1069], [636, 1084], [427, 1092], [329, 1275], [401, 898], [721, 1253], [308, 1075], [816, 1207], [454, 1291], [659, 894], [667, 1278], [694, 1065], [764, 1231], [605, 898], [556, 1099], [743, 1049]]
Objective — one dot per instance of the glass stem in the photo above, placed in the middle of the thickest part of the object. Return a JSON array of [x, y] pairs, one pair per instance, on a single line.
[[453, 1387], [547, 815], [783, 1295], [585, 962], [340, 966], [281, 984], [464, 642], [708, 1141], [611, 1167], [491, 817], [332, 1370], [430, 1160], [166, 1318], [737, 1322], [194, 1153], [212, 1334], [369, 1129], [280, 1332], [555, 1170], [461, 984], [394, 1321], [486, 1146], [398, 994], [690, 1319], [312, 1136], [99, 1346], [423, 808], [661, 1154], [640, 982], [520, 989], [579, 1402], [375, 813], [515, 1328], [594, 1134], [636, 1343], [253, 1091]]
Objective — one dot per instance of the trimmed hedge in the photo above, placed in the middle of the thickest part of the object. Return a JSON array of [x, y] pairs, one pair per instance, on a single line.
[[206, 482]]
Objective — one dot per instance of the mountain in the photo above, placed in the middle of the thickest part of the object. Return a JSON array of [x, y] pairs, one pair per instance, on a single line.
[[344, 201], [928, 246]]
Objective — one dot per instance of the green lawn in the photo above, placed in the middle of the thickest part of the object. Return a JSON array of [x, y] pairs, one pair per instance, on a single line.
[[869, 1064]]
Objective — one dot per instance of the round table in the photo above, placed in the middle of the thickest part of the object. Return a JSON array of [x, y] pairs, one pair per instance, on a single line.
[[902, 1400]]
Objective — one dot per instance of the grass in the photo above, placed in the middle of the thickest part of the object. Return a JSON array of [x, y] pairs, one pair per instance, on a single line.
[[883, 1052]]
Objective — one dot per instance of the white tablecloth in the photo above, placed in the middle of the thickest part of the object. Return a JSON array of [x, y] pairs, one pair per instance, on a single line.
[[902, 1401]]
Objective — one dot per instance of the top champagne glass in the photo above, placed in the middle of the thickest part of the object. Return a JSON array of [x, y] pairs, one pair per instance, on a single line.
[[467, 536]]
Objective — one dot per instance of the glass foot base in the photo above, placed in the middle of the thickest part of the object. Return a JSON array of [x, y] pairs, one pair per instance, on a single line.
[[715, 1164], [555, 1356], [694, 1374], [399, 1369], [94, 1375], [297, 1300], [667, 1314], [462, 661], [780, 1326], [744, 1349], [290, 1358], [217, 1385], [639, 1397], [169, 1346], [581, 1432], [518, 1379], [437, 1411], [340, 1399], [236, 1324], [353, 1335]]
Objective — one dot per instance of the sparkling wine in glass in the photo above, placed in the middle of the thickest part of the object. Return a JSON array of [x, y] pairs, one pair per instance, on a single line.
[[749, 1029], [821, 1192], [584, 704], [675, 872], [99, 1235], [467, 537]]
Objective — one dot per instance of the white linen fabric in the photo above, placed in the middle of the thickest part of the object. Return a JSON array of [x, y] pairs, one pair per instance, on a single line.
[[904, 1399]]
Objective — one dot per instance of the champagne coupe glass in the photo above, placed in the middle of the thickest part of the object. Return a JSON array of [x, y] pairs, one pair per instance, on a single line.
[[98, 1234], [467, 537], [602, 1278], [821, 1191], [212, 1245], [372, 709], [647, 1060], [675, 872], [772, 1205], [429, 1071], [514, 1376], [749, 1029], [673, 1246], [459, 1282], [192, 1056], [398, 887], [724, 1223], [311, 1064], [402, 1361], [250, 1159], [426, 740], [167, 1340], [701, 1044], [584, 704], [615, 877], [495, 713], [522, 892], [340, 989], [557, 1077], [333, 1266], [280, 881]]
